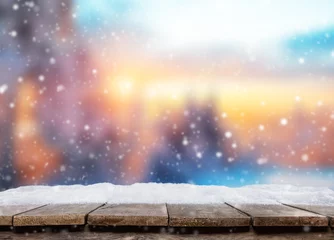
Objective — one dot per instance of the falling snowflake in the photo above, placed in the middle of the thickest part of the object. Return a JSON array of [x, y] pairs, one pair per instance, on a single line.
[[52, 61], [62, 168], [228, 134], [41, 78], [86, 127], [301, 60], [284, 121], [262, 161], [12, 105], [13, 33], [261, 127], [30, 4], [3, 88], [60, 88], [304, 157], [219, 154], [224, 115], [185, 141], [15, 7]]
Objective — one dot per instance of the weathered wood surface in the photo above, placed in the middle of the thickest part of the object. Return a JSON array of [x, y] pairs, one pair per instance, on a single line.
[[53, 215], [323, 210], [164, 236], [280, 215], [214, 216], [7, 212], [205, 215], [129, 215]]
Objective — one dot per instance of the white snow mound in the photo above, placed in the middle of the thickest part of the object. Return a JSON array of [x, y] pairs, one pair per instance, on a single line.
[[167, 193]]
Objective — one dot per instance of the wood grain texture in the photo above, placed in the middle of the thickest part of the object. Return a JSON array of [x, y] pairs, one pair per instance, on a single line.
[[7, 212], [205, 215], [55, 215], [164, 236], [129, 215], [280, 215], [320, 209]]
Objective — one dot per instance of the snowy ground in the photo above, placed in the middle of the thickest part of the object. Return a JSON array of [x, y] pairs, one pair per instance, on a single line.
[[167, 193]]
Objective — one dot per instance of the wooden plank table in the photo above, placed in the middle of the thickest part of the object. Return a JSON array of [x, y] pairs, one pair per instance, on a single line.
[[280, 216], [55, 215], [251, 235], [7, 212], [320, 209], [205, 215], [129, 215], [185, 216]]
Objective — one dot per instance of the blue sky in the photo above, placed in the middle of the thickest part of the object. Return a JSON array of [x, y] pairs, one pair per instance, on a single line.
[[180, 23]]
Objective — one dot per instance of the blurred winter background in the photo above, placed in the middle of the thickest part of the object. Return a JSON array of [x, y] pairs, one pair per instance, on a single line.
[[224, 92]]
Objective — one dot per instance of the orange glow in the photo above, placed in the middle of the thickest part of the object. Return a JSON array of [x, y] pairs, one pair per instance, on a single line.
[[34, 158]]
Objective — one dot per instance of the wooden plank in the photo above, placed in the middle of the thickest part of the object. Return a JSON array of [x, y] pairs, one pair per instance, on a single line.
[[129, 215], [55, 215], [280, 215], [7, 212], [320, 209], [205, 215], [86, 235]]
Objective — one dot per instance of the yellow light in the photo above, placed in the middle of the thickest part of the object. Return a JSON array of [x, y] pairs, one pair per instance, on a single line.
[[125, 84]]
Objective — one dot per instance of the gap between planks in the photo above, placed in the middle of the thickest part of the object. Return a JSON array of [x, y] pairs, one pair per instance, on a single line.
[[278, 215], [55, 215], [202, 215], [324, 210]]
